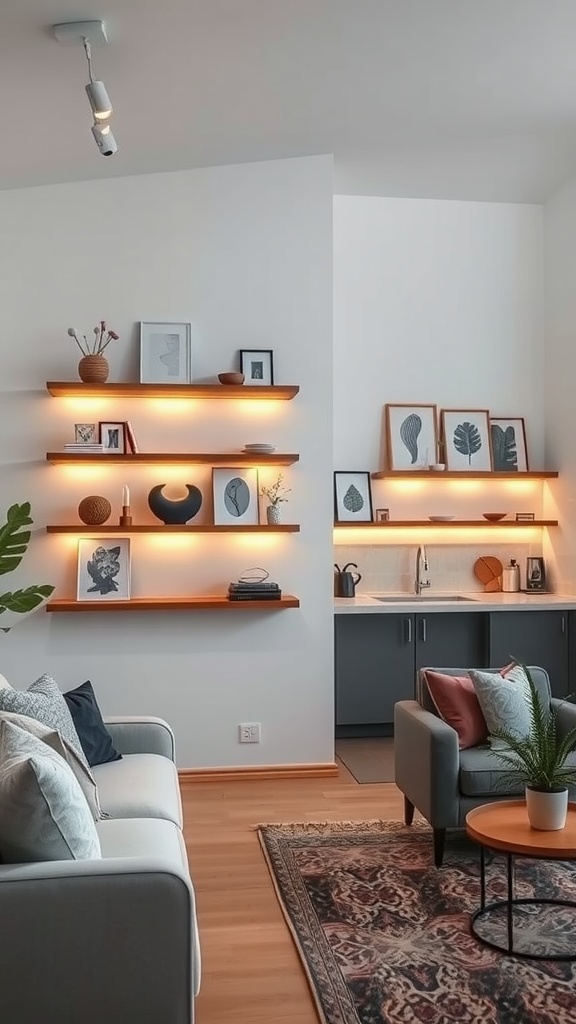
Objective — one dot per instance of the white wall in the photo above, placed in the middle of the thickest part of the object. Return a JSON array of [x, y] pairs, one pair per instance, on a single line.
[[436, 302], [560, 260], [244, 253]]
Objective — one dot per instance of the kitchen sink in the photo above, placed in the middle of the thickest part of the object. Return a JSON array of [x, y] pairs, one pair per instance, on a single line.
[[424, 598]]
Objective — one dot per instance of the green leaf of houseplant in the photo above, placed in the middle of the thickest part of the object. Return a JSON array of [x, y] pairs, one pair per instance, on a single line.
[[13, 538]]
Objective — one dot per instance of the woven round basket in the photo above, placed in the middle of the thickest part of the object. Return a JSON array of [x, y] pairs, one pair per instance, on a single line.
[[93, 369], [94, 510]]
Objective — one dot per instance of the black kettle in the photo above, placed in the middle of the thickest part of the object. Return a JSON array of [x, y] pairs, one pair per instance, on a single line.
[[345, 582]]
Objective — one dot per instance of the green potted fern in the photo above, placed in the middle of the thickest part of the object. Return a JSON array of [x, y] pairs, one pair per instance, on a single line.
[[14, 540], [540, 761]]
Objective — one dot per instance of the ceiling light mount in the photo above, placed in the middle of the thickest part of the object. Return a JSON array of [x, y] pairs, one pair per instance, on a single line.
[[73, 33]]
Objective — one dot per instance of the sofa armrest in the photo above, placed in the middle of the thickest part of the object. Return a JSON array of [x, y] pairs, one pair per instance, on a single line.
[[118, 942], [565, 715], [426, 763], [141, 734]]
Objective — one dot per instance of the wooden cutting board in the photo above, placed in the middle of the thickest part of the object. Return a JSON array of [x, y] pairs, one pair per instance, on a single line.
[[488, 569]]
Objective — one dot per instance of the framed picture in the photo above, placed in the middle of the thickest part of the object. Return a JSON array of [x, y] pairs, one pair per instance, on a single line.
[[86, 433], [352, 497], [411, 436], [525, 517], [257, 365], [382, 515], [235, 496], [508, 440], [103, 569], [165, 353], [466, 440], [113, 436], [535, 574]]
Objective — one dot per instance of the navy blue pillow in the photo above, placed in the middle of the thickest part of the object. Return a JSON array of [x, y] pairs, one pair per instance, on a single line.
[[95, 740]]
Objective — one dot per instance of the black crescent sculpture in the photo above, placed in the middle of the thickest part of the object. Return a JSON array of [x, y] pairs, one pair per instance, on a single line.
[[172, 512]]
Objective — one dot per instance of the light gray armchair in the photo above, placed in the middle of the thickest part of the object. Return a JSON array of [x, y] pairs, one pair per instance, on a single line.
[[437, 778]]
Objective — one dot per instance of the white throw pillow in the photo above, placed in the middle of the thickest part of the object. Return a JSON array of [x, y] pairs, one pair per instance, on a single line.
[[4, 684], [54, 740], [44, 701], [44, 815], [504, 701]]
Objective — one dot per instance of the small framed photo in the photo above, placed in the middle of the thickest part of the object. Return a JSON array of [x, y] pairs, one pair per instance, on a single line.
[[165, 353], [382, 515], [466, 440], [86, 433], [257, 365], [352, 497], [113, 437], [525, 517], [103, 569], [235, 496], [535, 573], [411, 436], [508, 440]]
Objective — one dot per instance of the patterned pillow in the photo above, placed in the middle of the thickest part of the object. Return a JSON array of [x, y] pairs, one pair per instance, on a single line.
[[43, 812], [4, 684], [44, 702], [54, 740], [504, 701]]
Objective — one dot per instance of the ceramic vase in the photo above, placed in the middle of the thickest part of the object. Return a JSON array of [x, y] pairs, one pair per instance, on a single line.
[[93, 369], [273, 515], [546, 810]]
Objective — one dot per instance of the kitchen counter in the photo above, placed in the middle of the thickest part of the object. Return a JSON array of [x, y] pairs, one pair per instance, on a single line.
[[477, 601]]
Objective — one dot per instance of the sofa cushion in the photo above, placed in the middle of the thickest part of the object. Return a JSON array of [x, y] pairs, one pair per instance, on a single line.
[[93, 735], [54, 740], [43, 812], [44, 701], [456, 702], [504, 700], [482, 773], [140, 786]]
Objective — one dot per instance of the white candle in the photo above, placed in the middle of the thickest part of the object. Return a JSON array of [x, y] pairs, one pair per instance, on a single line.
[[125, 495]]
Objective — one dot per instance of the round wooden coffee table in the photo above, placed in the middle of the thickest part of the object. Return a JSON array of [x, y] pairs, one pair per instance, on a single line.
[[503, 826]]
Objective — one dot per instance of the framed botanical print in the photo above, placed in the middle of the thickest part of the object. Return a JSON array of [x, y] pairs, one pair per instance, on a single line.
[[466, 440], [103, 569], [235, 496], [411, 436], [352, 497], [508, 440]]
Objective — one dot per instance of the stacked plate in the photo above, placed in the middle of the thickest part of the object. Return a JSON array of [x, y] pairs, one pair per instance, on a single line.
[[259, 449]]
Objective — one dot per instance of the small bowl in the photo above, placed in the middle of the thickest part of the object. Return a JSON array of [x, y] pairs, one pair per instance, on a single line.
[[437, 467], [494, 517], [231, 378]]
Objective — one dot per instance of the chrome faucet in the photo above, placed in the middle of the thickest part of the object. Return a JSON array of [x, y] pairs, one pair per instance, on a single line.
[[421, 567]]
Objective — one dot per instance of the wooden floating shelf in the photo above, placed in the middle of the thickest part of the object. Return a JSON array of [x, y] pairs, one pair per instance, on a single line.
[[454, 474], [444, 524], [75, 389], [239, 459], [171, 604], [112, 530]]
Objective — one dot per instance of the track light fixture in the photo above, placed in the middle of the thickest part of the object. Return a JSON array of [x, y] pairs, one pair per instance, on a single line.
[[83, 32]]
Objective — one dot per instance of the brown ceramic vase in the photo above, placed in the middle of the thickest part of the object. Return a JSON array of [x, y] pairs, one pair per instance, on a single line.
[[93, 369]]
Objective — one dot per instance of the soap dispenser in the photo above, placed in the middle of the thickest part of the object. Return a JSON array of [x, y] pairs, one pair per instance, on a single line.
[[511, 578]]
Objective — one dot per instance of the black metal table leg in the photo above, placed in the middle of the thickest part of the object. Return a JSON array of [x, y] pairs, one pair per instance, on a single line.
[[482, 879], [510, 868]]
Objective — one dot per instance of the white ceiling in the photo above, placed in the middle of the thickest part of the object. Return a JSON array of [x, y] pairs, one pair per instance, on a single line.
[[463, 99]]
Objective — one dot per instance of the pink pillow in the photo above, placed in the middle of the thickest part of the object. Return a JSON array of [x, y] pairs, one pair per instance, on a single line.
[[456, 702]]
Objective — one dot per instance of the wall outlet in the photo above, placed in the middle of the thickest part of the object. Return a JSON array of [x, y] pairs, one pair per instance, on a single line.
[[249, 732]]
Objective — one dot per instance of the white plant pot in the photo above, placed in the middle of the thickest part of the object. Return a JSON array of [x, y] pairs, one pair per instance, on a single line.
[[546, 811]]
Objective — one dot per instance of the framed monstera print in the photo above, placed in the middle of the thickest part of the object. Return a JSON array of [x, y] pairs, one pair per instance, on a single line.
[[465, 437], [352, 497], [411, 436]]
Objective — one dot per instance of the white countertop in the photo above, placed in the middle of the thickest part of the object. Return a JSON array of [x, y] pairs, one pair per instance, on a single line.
[[366, 603]]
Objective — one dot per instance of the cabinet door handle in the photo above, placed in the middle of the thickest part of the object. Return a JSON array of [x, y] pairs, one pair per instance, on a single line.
[[423, 630], [563, 624], [408, 630]]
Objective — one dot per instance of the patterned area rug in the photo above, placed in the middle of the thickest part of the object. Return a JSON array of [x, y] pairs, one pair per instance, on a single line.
[[385, 937]]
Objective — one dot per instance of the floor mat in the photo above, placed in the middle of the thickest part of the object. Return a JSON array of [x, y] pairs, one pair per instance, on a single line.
[[368, 760]]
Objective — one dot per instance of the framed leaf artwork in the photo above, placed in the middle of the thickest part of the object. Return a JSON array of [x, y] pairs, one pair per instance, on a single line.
[[352, 497], [508, 440], [411, 436], [466, 440]]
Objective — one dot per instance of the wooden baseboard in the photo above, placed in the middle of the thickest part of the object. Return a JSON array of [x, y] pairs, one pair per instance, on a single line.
[[257, 772]]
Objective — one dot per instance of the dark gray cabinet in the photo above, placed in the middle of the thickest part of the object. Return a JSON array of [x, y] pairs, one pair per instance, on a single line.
[[535, 638], [377, 655]]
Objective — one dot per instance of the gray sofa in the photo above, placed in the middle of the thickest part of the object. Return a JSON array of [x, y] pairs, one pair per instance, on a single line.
[[443, 782], [116, 939]]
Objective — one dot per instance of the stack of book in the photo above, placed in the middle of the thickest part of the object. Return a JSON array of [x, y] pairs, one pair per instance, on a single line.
[[264, 591], [84, 446]]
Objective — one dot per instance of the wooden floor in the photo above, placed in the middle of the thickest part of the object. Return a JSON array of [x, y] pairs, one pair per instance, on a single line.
[[251, 973]]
